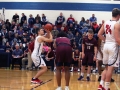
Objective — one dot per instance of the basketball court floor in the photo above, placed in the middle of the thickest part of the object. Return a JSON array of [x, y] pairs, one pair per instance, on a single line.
[[20, 80]]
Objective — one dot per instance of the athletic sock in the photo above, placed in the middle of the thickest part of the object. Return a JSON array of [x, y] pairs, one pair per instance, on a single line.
[[102, 83], [107, 85], [82, 74], [88, 75]]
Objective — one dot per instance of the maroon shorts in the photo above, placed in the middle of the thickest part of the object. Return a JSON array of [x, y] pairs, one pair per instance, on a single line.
[[63, 55], [88, 59]]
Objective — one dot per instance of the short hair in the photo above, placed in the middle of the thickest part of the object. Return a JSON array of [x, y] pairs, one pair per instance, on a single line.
[[115, 12], [90, 31], [62, 34]]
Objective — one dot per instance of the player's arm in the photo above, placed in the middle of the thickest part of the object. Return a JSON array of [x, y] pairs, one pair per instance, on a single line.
[[95, 51], [101, 32], [99, 48], [54, 44], [44, 39], [117, 33]]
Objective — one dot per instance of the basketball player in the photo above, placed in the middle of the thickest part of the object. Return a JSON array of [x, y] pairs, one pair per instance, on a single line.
[[36, 55], [89, 53], [63, 58], [100, 58], [111, 28]]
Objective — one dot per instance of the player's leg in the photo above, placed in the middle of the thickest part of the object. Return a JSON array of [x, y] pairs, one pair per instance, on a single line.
[[79, 65], [90, 64], [105, 62], [67, 63], [58, 76], [112, 62], [38, 61], [84, 64], [99, 69]]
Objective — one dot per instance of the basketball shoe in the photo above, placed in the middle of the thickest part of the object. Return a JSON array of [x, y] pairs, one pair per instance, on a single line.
[[67, 88], [100, 87], [88, 78], [80, 78], [36, 81], [59, 88]]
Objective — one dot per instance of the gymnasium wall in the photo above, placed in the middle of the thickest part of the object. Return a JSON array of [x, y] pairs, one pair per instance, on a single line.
[[52, 8]]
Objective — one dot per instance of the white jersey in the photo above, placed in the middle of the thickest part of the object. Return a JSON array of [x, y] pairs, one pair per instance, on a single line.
[[110, 49], [109, 31], [37, 47]]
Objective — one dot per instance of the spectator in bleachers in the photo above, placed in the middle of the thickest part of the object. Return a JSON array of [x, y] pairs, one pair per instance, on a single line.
[[50, 58], [24, 59], [8, 47], [44, 20], [76, 25], [65, 27], [37, 24], [77, 38], [16, 38], [23, 19], [31, 21], [10, 37], [54, 32], [30, 50], [70, 20], [13, 25], [70, 36], [82, 22], [15, 29], [60, 19], [8, 25], [45, 47], [72, 29], [1, 38], [20, 32], [62, 29], [15, 18], [38, 18], [17, 56], [5, 36], [93, 19], [87, 24], [25, 26]]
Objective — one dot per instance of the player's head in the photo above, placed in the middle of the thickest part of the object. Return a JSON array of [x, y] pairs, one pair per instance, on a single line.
[[40, 31], [90, 33], [62, 34], [116, 13]]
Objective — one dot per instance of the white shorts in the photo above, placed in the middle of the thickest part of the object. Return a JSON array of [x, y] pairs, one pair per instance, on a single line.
[[111, 54], [38, 61], [99, 56]]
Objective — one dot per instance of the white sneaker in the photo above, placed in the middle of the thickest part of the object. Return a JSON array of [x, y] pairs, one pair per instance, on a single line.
[[71, 69], [78, 70], [67, 88], [59, 88]]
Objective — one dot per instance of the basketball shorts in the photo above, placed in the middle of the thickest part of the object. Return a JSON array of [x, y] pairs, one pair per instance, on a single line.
[[38, 61], [88, 59], [63, 55], [111, 54]]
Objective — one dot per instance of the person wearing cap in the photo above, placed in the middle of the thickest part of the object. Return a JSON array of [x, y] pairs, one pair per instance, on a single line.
[[17, 56]]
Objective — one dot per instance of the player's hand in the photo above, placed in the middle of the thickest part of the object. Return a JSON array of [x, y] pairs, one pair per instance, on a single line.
[[47, 31], [83, 55]]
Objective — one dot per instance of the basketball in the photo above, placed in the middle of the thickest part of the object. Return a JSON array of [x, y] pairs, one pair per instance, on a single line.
[[48, 27]]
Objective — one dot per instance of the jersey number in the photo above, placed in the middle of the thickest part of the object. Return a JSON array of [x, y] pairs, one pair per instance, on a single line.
[[88, 47], [108, 30]]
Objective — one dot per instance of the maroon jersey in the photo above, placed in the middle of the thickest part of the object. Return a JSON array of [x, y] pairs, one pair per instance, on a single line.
[[89, 44], [62, 40]]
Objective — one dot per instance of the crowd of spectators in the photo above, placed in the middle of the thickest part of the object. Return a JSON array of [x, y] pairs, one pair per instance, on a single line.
[[17, 37]]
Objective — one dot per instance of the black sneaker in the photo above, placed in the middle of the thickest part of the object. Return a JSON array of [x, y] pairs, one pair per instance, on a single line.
[[80, 78], [88, 78], [99, 78], [112, 80]]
